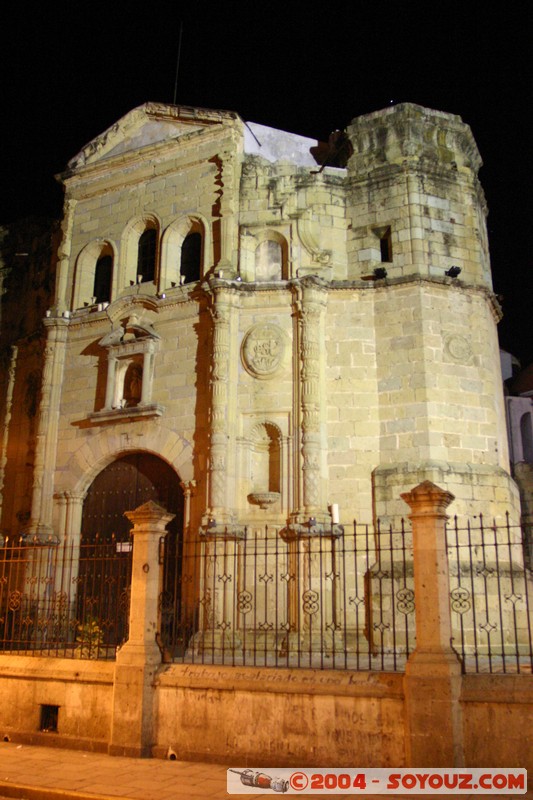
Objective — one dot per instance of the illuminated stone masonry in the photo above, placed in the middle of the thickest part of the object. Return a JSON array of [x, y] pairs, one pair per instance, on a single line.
[[300, 341], [346, 310], [251, 339]]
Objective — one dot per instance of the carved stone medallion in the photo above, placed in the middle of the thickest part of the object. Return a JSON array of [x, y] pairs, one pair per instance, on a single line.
[[458, 347], [263, 348]]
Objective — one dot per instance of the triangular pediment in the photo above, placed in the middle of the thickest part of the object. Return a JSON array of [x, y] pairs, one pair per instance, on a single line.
[[145, 126]]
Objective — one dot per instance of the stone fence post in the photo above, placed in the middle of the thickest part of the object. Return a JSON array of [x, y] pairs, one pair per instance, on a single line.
[[138, 659], [432, 682]]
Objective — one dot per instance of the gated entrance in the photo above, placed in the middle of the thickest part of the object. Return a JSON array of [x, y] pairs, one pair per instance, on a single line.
[[122, 486]]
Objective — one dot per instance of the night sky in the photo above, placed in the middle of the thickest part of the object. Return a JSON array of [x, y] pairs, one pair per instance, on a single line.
[[70, 70]]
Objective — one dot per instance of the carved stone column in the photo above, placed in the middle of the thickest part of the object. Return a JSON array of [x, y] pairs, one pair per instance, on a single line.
[[225, 231], [112, 366], [47, 428], [61, 507], [220, 531], [188, 488], [64, 256], [416, 228], [311, 510], [148, 372], [7, 419], [219, 399], [69, 507], [311, 530], [74, 514], [220, 517]]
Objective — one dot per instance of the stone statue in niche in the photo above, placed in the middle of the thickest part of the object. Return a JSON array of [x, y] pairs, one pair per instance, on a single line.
[[133, 381]]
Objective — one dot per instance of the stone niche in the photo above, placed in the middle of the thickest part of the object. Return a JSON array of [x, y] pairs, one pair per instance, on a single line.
[[265, 462], [131, 350]]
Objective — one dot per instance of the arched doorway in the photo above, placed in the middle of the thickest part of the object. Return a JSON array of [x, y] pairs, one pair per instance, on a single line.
[[124, 485]]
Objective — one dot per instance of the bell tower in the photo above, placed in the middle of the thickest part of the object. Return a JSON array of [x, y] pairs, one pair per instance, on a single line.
[[418, 237]]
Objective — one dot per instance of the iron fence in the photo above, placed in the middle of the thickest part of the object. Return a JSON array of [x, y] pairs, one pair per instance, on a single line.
[[69, 600], [491, 594], [267, 599], [344, 602]]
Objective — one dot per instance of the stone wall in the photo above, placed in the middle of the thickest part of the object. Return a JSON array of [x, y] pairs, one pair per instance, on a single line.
[[284, 717], [265, 717], [82, 691], [497, 713]]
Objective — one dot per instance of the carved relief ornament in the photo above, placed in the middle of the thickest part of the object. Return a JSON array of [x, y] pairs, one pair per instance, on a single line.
[[263, 349]]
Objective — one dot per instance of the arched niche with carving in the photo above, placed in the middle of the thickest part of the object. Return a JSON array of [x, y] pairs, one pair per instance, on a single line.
[[271, 257], [93, 282], [265, 464]]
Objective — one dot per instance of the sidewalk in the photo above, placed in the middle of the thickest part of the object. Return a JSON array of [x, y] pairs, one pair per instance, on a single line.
[[47, 773]]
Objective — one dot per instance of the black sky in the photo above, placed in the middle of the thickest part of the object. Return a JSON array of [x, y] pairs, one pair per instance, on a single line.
[[72, 69]]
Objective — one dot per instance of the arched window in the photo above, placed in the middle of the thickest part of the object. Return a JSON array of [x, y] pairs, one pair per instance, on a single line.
[[103, 275], [94, 274], [184, 246], [191, 258], [146, 255]]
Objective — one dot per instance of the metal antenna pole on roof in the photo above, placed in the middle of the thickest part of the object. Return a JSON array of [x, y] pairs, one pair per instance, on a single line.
[[177, 65]]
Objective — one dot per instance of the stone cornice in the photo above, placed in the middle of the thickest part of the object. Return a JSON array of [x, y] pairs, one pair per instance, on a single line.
[[453, 283], [382, 174], [115, 415], [357, 284]]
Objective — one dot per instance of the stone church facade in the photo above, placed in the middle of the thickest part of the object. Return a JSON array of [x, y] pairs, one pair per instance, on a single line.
[[237, 341], [270, 339]]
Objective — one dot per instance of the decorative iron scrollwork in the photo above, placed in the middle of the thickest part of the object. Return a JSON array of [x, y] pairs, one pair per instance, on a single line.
[[244, 602], [287, 576], [356, 601], [166, 601], [15, 600], [485, 572], [381, 627], [406, 600], [460, 600], [488, 627], [124, 599], [310, 602]]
